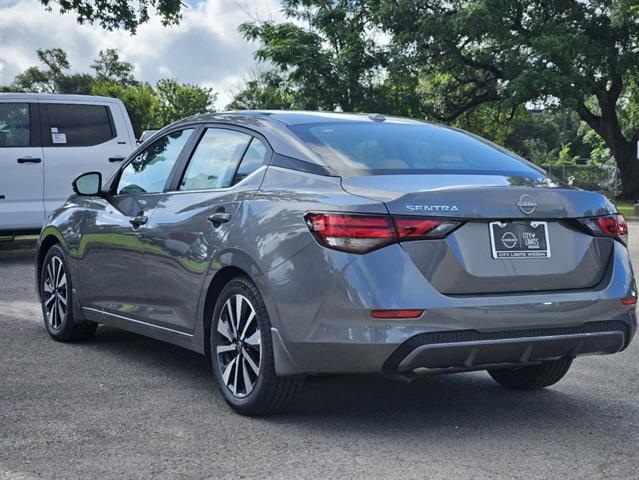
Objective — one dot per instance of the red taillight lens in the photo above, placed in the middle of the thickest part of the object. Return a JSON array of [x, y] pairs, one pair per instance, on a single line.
[[609, 226], [351, 233], [414, 228], [631, 300], [362, 233]]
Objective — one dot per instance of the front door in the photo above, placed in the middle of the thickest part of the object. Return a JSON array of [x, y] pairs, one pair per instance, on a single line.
[[21, 167], [112, 249], [190, 223]]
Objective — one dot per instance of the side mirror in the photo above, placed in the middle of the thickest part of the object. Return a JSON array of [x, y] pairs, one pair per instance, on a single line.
[[88, 184]]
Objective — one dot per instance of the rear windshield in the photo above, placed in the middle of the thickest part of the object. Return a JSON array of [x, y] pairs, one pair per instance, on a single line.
[[393, 148]]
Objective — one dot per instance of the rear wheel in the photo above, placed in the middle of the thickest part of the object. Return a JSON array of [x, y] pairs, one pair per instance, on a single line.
[[533, 377], [56, 293], [242, 353]]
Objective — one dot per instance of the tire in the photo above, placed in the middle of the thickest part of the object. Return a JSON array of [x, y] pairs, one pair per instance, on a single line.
[[534, 377], [56, 297], [242, 353]]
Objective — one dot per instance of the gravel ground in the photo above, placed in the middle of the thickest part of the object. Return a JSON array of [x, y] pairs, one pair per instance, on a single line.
[[124, 406]]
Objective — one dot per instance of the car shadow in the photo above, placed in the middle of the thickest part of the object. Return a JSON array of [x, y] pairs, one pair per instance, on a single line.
[[372, 403]]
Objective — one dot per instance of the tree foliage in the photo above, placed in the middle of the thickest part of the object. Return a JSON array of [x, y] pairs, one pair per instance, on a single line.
[[116, 14], [176, 101], [332, 62], [109, 68]]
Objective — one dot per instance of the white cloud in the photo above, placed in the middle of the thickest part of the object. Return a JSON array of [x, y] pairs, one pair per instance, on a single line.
[[205, 48]]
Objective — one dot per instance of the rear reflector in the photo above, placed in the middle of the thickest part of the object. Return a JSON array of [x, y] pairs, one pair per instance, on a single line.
[[357, 233], [396, 313], [631, 300], [614, 226]]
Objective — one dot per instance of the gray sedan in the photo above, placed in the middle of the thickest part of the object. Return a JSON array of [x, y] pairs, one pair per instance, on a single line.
[[287, 244]]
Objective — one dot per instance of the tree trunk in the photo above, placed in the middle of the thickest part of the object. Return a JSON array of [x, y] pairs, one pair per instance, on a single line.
[[626, 158], [623, 150]]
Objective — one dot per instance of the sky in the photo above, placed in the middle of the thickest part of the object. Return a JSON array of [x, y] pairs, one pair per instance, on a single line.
[[204, 49]]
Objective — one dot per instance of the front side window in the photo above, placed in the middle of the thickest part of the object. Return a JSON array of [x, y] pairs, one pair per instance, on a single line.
[[77, 125], [150, 170], [214, 161], [14, 125]]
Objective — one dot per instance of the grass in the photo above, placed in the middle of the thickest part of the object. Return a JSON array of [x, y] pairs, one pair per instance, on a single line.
[[625, 207]]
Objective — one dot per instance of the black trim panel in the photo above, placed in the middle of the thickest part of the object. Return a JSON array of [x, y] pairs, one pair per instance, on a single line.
[[463, 336], [290, 163]]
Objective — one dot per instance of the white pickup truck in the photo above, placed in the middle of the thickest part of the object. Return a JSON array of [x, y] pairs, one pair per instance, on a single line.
[[46, 140]]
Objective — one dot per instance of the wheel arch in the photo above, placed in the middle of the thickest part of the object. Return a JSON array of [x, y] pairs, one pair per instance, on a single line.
[[48, 238]]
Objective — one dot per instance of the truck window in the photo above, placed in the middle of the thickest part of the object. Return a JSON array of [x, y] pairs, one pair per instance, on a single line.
[[77, 125], [14, 125]]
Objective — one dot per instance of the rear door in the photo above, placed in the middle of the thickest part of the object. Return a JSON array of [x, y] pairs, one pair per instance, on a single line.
[[77, 138], [190, 223], [21, 167]]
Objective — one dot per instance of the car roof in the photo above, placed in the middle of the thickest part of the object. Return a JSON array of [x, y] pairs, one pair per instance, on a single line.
[[274, 126], [297, 117]]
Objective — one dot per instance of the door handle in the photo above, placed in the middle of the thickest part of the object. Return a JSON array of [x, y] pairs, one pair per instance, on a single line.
[[29, 160], [116, 159], [219, 217], [139, 220]]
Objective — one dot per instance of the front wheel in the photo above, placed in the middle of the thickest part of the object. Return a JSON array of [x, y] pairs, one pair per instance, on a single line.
[[242, 353], [56, 293], [533, 377]]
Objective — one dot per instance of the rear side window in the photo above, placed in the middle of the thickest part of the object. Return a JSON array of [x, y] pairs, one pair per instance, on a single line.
[[362, 148], [78, 125], [14, 125], [215, 159], [253, 159], [150, 170]]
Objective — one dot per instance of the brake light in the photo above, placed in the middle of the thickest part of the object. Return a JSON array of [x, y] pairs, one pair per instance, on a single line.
[[357, 233], [614, 226]]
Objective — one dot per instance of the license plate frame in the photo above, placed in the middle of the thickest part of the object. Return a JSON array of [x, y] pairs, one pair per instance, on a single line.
[[519, 239]]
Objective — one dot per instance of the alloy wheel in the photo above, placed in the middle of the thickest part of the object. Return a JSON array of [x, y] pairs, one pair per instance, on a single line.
[[239, 345], [55, 293]]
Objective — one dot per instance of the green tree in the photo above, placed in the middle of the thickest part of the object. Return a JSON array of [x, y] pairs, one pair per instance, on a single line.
[[176, 101], [140, 102], [331, 62], [266, 90], [49, 79], [109, 68], [116, 14], [582, 55]]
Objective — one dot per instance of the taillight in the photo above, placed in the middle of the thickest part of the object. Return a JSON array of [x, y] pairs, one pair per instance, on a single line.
[[415, 228], [357, 233], [608, 226]]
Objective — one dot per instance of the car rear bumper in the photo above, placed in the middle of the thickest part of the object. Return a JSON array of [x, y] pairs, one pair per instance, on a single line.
[[330, 329], [458, 350]]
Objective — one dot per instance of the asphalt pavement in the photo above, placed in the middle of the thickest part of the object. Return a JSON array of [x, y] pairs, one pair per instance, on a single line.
[[127, 407]]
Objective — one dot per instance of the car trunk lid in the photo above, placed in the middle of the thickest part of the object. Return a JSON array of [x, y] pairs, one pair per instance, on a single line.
[[465, 262]]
